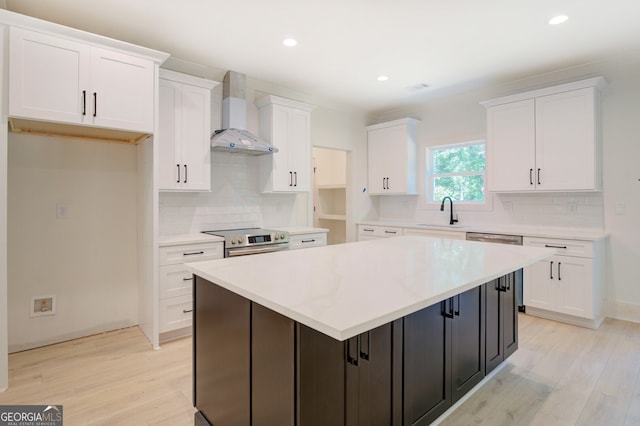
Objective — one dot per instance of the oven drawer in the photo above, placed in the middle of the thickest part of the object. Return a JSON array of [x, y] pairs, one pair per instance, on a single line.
[[170, 255], [175, 313]]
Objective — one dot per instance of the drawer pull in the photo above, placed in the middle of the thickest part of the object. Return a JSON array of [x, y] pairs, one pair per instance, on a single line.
[[367, 230], [308, 241], [193, 253], [186, 311], [552, 246], [188, 279], [391, 232]]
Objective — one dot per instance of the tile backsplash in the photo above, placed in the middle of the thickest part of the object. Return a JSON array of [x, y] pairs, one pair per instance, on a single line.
[[234, 201]]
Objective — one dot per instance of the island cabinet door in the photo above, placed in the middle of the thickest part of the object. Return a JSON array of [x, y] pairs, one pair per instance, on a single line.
[[345, 383], [502, 320], [426, 362], [467, 341], [369, 378]]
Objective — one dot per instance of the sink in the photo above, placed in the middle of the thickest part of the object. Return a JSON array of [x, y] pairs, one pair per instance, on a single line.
[[433, 225]]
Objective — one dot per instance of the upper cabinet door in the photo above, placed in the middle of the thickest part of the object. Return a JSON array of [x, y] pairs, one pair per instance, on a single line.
[[287, 125], [392, 157], [512, 146], [122, 88], [49, 77], [58, 80], [185, 131], [546, 139], [565, 135]]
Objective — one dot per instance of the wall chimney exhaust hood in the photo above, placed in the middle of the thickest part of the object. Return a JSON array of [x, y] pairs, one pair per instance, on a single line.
[[234, 137]]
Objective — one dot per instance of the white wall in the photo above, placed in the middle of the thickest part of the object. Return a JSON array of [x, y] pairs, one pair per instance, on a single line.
[[4, 328], [460, 118], [87, 257]]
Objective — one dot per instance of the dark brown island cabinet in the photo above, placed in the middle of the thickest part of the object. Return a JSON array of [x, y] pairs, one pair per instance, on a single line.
[[255, 367]]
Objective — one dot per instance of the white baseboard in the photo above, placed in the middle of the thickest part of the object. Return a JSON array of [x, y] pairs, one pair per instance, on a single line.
[[569, 319], [622, 311], [19, 347]]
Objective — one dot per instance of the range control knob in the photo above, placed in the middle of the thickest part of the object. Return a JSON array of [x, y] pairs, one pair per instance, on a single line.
[[282, 236], [277, 237], [233, 240], [239, 240]]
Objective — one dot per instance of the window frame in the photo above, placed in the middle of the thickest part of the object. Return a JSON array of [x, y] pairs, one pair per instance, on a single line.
[[428, 204]]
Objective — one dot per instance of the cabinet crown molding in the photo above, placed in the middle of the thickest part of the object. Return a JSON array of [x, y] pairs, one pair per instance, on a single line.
[[596, 82], [187, 79], [277, 100], [400, 121]]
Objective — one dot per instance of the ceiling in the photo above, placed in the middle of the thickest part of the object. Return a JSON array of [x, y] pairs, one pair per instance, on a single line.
[[344, 45]]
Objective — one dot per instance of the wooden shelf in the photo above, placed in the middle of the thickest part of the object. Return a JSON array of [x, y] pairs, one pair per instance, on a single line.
[[332, 186]]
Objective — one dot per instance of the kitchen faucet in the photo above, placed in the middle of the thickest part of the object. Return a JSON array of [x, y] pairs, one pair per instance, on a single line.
[[451, 219]]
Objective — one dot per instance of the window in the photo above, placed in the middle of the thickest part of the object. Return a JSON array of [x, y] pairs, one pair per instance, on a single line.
[[457, 171]]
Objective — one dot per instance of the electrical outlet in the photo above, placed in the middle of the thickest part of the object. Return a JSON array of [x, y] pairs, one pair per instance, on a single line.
[[572, 207], [508, 206], [42, 305], [61, 211]]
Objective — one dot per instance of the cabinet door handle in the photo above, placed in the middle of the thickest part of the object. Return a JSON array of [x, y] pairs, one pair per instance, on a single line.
[[447, 312], [188, 279], [530, 176], [193, 253], [551, 270], [290, 178], [353, 360], [552, 246], [178, 166], [383, 184], [365, 355], [457, 311], [185, 173], [388, 187], [295, 175], [84, 102], [95, 104], [539, 183], [559, 278], [186, 311]]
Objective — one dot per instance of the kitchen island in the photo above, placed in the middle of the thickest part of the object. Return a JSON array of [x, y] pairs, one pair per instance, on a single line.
[[379, 332]]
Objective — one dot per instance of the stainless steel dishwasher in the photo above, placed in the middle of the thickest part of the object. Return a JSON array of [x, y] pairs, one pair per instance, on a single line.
[[502, 239]]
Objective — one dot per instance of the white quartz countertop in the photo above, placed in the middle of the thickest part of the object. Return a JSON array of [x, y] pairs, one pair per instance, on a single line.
[[175, 240], [524, 230], [346, 289]]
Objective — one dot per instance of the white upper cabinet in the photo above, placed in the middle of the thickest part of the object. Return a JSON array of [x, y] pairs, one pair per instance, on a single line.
[[392, 157], [59, 80], [545, 140], [287, 125], [185, 131]]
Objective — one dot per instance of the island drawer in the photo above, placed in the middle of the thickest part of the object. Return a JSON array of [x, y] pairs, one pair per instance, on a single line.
[[563, 246], [183, 253]]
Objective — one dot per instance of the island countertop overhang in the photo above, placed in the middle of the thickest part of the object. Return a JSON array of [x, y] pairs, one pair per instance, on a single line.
[[347, 289]]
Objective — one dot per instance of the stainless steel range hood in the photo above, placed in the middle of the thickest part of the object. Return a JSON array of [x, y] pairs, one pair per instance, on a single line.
[[234, 137]]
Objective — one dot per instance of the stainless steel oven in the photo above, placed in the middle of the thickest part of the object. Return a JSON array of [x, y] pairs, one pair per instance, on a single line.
[[247, 241]]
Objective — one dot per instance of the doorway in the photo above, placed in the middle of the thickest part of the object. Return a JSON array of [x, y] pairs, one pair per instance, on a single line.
[[330, 192]]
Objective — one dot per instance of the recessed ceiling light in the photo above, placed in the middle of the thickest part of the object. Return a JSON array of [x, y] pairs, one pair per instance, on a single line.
[[290, 42], [383, 77], [559, 19]]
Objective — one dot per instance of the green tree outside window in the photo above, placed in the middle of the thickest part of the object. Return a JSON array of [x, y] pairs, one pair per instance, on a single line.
[[457, 171]]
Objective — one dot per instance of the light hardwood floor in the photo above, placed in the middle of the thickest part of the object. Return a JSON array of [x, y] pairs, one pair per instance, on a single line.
[[560, 375]]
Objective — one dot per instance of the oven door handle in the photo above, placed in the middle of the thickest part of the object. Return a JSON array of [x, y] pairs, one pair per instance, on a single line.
[[254, 250]]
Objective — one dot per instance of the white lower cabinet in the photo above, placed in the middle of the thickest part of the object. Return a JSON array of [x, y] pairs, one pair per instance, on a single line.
[[300, 241], [176, 283], [436, 233], [373, 232], [569, 286]]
